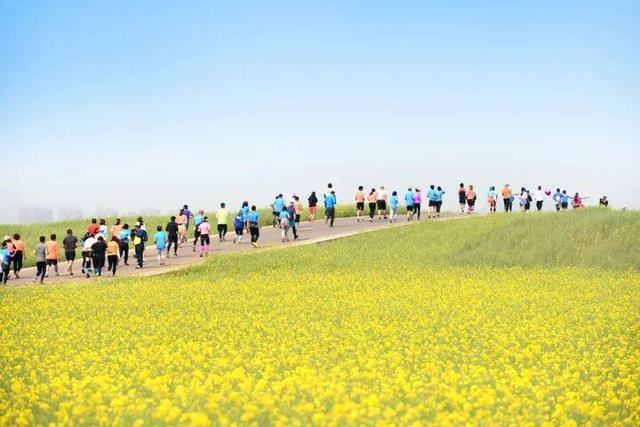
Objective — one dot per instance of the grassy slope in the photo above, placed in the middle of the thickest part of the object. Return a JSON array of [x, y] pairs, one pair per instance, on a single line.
[[590, 238]]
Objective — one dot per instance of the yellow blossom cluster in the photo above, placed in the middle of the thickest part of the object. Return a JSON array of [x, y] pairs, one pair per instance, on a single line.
[[332, 343]]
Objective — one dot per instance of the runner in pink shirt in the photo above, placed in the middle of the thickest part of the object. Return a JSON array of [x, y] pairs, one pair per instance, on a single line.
[[204, 228], [417, 201]]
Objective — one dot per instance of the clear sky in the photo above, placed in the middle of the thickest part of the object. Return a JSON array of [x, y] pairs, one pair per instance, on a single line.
[[152, 104]]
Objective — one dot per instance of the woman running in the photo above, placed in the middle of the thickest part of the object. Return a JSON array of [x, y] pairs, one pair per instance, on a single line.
[[439, 196], [382, 203], [297, 204], [116, 228], [284, 224], [417, 202], [471, 199], [372, 198], [98, 250], [112, 255], [313, 206], [523, 199], [254, 226], [238, 225], [222, 216], [205, 229], [181, 220], [393, 206], [577, 201], [462, 197], [492, 199]]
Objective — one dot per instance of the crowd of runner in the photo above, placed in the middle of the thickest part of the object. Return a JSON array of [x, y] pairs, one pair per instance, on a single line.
[[103, 246]]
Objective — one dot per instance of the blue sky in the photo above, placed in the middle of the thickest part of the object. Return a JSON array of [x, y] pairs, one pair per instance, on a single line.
[[154, 104]]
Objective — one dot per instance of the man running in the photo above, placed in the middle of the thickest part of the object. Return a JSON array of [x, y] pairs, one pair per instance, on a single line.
[[222, 216], [197, 220], [172, 231], [327, 194], [123, 240], [408, 201], [19, 255], [41, 260], [431, 196], [492, 199], [278, 205], [462, 197], [439, 195], [557, 198], [70, 244], [53, 255], [538, 196], [359, 198], [393, 205], [254, 226], [330, 206], [160, 240], [313, 206]]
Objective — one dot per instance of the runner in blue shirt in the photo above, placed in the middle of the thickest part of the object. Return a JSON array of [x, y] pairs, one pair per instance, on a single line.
[[284, 224], [278, 204], [330, 207], [160, 239], [557, 198], [393, 205], [408, 199], [439, 194], [564, 199], [254, 226], [431, 195], [197, 220]]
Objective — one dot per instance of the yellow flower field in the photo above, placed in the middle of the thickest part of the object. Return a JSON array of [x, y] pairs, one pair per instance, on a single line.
[[321, 336]]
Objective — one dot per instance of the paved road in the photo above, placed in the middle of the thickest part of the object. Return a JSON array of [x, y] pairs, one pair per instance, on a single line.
[[269, 237]]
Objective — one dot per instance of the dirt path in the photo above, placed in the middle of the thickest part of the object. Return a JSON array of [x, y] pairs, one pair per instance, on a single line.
[[309, 233]]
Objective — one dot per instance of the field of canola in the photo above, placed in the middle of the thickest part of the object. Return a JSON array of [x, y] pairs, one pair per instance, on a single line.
[[365, 330]]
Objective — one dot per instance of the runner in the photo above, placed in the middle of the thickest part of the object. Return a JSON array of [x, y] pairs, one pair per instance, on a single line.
[[359, 198], [245, 215], [113, 247], [523, 199], [102, 230], [238, 225], [326, 195], [431, 195], [393, 205], [197, 220], [70, 244], [188, 215], [372, 198], [160, 240], [408, 200], [299, 208], [462, 197], [492, 199], [98, 251], [557, 198], [507, 198], [382, 203], [439, 195], [93, 228], [116, 228], [19, 255], [87, 262], [254, 225], [181, 220], [284, 224], [205, 229], [471, 199], [527, 205], [577, 201], [41, 260], [5, 262], [291, 209], [172, 230], [538, 196], [564, 200], [139, 237], [53, 254], [278, 205], [222, 216], [313, 206], [417, 202], [330, 207], [603, 202], [123, 239]]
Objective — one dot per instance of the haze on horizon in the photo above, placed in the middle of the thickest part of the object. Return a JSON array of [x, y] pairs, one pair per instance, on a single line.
[[133, 105]]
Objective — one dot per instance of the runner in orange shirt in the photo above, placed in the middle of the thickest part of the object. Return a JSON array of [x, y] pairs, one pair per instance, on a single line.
[[53, 254], [359, 203], [19, 255]]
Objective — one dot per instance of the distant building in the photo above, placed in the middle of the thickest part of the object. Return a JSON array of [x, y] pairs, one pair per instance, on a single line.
[[65, 214], [31, 215]]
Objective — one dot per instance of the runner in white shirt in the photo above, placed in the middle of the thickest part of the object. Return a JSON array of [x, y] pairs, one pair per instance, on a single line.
[[538, 196], [87, 259], [382, 203]]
